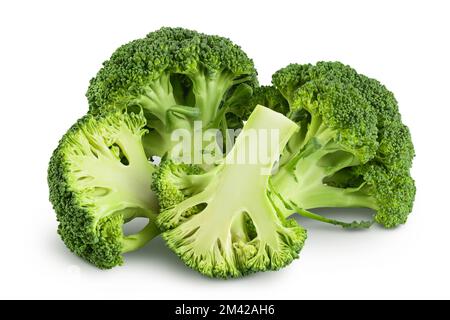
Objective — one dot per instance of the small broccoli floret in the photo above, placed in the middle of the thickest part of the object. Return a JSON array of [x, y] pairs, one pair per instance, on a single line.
[[173, 182], [269, 97], [234, 229], [352, 149], [176, 76], [99, 179], [392, 192]]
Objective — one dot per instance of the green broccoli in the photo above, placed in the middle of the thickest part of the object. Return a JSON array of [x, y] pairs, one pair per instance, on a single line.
[[99, 178], [327, 137], [352, 150], [223, 222], [176, 76]]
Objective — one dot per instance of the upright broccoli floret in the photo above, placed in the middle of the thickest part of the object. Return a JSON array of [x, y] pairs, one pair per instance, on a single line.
[[99, 178], [352, 149], [176, 76], [225, 223]]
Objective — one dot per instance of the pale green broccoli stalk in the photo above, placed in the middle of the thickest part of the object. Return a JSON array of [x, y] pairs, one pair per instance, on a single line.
[[99, 178], [352, 149], [177, 76], [225, 223]]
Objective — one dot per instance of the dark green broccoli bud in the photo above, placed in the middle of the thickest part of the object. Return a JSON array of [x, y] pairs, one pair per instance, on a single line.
[[176, 76], [269, 97], [393, 193], [224, 230], [352, 150], [99, 178]]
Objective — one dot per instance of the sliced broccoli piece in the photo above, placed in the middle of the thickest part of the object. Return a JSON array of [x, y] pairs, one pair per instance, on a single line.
[[225, 223], [352, 149], [176, 76], [99, 178]]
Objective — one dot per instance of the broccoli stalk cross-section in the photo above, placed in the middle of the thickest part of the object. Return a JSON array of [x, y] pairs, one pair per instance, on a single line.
[[99, 179], [228, 225]]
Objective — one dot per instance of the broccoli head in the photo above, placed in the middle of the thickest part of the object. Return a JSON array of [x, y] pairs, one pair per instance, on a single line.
[[352, 149], [99, 178], [177, 76], [221, 229]]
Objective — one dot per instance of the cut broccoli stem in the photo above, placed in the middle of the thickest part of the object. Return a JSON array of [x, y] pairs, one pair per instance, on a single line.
[[229, 248], [99, 179], [128, 187]]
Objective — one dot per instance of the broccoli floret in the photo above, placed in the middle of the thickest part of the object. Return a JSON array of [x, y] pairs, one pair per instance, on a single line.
[[352, 149], [222, 230], [173, 182], [176, 76], [99, 178]]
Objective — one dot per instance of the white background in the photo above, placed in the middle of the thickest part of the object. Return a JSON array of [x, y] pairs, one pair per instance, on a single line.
[[50, 49]]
